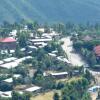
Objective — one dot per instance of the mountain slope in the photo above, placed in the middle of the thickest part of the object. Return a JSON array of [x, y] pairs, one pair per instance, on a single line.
[[50, 10]]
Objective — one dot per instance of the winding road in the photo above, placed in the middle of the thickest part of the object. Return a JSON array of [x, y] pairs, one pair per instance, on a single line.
[[73, 57]]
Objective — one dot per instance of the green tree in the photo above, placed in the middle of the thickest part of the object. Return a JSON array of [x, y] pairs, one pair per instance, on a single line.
[[56, 96], [23, 38], [88, 76], [86, 96]]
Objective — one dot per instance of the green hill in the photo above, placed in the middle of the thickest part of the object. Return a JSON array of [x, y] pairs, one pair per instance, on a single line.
[[50, 10]]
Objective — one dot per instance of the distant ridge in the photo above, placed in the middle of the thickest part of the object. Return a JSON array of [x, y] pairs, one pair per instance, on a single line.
[[50, 10]]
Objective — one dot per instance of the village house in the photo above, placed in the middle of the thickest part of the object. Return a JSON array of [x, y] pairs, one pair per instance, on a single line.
[[87, 38], [8, 43], [59, 75], [52, 54], [94, 88], [40, 40], [10, 80], [97, 51], [41, 30], [6, 94], [38, 44], [13, 33], [33, 89], [13, 62], [63, 59], [9, 59]]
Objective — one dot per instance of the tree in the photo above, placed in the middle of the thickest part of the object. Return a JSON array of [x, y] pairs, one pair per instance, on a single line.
[[22, 69], [45, 82], [60, 85], [98, 97], [38, 72], [86, 96], [15, 95], [23, 38], [78, 45], [5, 87], [88, 76], [18, 53], [56, 96], [46, 28], [35, 63], [18, 96], [92, 59], [32, 25], [75, 89]]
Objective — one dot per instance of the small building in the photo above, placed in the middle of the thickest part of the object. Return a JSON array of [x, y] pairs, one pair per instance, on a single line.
[[42, 44], [52, 54], [9, 59], [42, 30], [10, 80], [76, 72], [6, 94], [87, 38], [97, 51], [63, 59], [33, 89], [13, 33], [94, 88], [40, 40], [59, 75], [14, 63], [55, 51], [9, 65], [1, 62], [32, 48], [53, 34], [8, 43]]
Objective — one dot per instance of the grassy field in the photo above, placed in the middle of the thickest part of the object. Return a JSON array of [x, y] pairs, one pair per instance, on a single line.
[[46, 96]]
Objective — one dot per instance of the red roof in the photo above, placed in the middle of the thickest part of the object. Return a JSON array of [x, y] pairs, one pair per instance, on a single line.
[[97, 50], [8, 39], [87, 38]]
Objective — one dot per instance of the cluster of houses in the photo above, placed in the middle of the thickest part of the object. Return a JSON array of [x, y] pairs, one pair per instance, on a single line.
[[36, 42], [12, 62], [30, 89], [59, 58], [41, 41]]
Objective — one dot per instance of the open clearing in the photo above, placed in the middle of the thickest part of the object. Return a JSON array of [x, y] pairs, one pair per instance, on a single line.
[[45, 96]]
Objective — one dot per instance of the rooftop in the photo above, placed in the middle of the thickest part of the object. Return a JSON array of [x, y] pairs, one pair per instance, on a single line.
[[60, 73], [32, 89], [14, 63], [41, 40], [5, 94], [52, 54], [10, 80], [97, 50], [94, 88], [8, 39], [9, 59], [87, 38]]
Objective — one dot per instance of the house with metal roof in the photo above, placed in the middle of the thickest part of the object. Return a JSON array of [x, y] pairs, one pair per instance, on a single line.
[[7, 43]]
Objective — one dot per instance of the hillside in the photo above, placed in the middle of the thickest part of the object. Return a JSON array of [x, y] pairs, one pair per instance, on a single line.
[[50, 10]]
